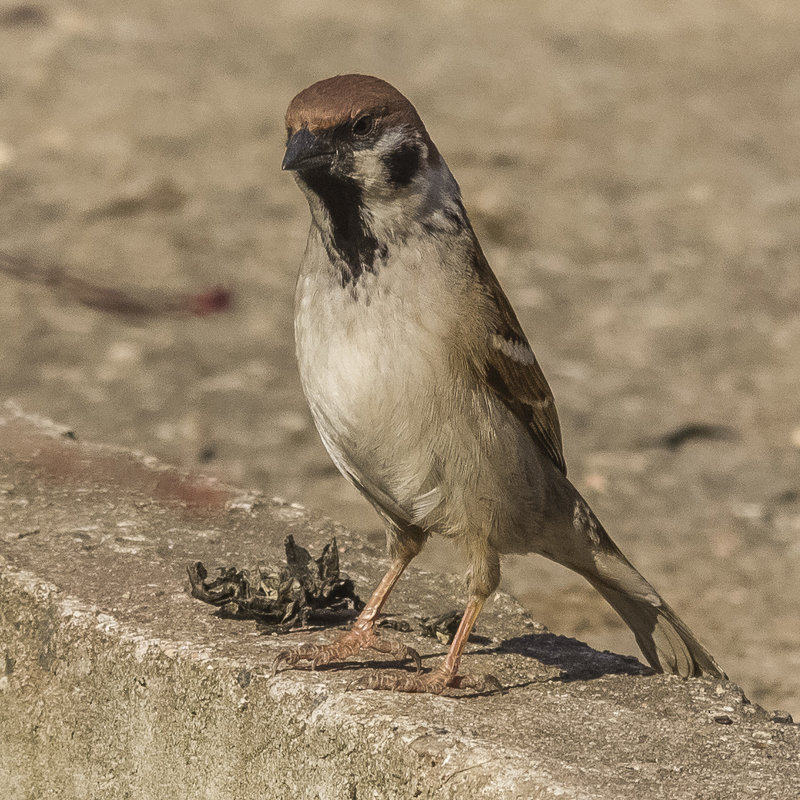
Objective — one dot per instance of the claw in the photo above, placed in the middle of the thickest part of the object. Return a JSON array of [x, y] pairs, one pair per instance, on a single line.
[[355, 684], [282, 656], [289, 657], [397, 649]]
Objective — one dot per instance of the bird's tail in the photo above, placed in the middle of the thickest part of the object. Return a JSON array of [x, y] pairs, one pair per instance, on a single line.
[[583, 545], [667, 644]]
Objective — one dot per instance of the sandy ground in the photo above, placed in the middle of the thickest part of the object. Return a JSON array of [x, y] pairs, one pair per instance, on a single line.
[[633, 172]]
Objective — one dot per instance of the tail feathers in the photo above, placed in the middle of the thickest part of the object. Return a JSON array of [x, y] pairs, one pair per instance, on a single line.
[[667, 644]]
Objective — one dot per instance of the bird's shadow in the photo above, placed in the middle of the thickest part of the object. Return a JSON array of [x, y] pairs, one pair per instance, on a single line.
[[576, 660]]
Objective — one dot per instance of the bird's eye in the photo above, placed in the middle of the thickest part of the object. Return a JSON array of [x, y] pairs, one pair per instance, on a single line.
[[363, 125]]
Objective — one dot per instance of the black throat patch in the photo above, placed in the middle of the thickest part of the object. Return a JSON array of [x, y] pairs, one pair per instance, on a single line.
[[354, 246]]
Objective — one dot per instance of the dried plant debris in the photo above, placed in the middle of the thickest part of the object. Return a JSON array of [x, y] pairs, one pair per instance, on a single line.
[[394, 624], [443, 627], [306, 591]]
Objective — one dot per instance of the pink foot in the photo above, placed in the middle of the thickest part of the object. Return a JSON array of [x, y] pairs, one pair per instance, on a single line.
[[345, 645], [434, 682]]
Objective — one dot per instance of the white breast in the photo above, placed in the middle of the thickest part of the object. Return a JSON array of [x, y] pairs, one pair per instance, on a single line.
[[360, 361], [368, 361]]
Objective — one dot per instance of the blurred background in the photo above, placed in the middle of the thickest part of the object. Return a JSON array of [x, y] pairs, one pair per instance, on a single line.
[[632, 169]]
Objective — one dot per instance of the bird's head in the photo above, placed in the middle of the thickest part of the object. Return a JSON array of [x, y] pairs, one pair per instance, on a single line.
[[362, 156]]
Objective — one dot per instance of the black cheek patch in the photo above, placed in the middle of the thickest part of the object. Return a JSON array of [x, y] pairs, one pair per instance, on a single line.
[[403, 163]]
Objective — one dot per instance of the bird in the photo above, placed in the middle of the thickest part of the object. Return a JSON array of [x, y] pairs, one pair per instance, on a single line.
[[425, 390]]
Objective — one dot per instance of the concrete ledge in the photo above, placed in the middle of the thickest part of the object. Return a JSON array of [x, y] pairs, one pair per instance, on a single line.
[[114, 682]]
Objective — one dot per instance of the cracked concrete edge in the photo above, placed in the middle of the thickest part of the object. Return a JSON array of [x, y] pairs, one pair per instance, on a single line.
[[79, 675], [87, 675], [108, 691]]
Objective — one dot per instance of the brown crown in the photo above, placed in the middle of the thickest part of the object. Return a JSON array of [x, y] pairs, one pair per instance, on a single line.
[[333, 101]]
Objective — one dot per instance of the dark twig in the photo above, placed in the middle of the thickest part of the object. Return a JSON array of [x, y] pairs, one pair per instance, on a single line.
[[129, 303]]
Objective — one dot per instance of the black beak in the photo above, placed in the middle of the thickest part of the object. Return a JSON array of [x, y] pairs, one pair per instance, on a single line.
[[306, 151]]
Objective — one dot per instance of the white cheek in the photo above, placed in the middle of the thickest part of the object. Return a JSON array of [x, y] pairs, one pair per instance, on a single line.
[[368, 164], [390, 141]]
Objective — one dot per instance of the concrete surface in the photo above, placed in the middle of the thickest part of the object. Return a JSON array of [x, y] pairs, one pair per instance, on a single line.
[[116, 683], [630, 167]]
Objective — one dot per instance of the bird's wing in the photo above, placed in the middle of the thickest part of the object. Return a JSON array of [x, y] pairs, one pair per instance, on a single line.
[[509, 368]]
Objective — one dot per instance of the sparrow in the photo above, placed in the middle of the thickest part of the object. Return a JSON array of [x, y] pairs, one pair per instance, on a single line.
[[424, 388]]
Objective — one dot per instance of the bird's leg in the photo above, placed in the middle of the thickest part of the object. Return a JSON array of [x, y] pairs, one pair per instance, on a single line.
[[446, 674], [361, 636]]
